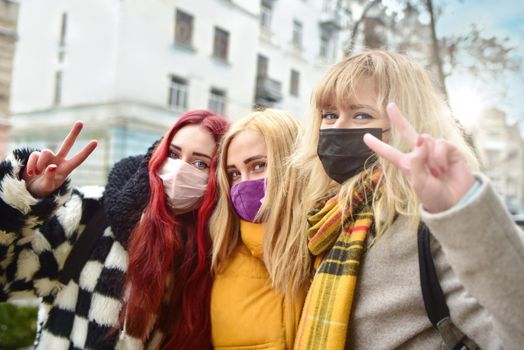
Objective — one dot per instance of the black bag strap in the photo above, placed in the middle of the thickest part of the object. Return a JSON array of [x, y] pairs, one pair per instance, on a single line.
[[434, 300], [83, 247]]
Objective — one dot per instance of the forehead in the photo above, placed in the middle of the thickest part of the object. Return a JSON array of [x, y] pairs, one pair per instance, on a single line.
[[342, 94], [194, 138], [245, 144]]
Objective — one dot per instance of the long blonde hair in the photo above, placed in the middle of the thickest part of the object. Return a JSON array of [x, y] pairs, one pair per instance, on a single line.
[[398, 79], [285, 251]]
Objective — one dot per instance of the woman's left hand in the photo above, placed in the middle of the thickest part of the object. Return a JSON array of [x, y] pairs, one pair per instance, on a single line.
[[436, 170]]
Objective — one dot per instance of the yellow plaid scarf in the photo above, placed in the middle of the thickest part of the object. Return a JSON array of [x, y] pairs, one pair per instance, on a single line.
[[338, 249]]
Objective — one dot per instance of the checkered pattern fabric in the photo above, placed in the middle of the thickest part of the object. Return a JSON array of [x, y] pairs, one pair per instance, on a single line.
[[36, 236]]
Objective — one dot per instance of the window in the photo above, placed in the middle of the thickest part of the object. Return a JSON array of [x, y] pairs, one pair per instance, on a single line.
[[262, 63], [324, 45], [63, 33], [297, 33], [327, 5], [221, 44], [294, 82], [266, 11], [217, 100], [58, 88], [63, 29], [183, 28], [178, 93], [494, 133]]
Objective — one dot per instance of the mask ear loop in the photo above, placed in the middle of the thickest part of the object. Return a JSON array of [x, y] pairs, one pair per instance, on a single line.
[[123, 330]]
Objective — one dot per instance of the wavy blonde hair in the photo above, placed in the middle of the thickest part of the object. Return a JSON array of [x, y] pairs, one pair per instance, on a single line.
[[285, 251], [398, 79]]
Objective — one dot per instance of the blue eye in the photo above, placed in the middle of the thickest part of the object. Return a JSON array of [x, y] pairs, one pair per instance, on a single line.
[[329, 116], [173, 155], [200, 164], [363, 116], [259, 166], [233, 175]]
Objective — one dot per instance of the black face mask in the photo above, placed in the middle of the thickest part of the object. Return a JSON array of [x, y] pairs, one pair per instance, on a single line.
[[343, 152]]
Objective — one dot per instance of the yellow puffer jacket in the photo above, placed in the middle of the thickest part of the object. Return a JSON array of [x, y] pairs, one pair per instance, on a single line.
[[246, 312]]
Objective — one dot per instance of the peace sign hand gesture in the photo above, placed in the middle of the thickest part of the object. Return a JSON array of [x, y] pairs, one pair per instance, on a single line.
[[46, 171], [436, 170]]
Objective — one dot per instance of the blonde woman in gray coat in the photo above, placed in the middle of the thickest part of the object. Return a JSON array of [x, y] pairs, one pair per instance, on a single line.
[[376, 173]]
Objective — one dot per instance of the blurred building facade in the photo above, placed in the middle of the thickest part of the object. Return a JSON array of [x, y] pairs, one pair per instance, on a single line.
[[8, 21], [130, 68], [501, 149]]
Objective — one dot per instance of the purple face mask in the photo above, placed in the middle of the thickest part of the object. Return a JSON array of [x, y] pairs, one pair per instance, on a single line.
[[246, 198]]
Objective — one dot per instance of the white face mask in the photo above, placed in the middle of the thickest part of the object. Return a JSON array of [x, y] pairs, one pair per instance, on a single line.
[[184, 185]]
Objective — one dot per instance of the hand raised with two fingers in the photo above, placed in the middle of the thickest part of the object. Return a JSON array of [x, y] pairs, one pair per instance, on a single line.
[[437, 171], [46, 171]]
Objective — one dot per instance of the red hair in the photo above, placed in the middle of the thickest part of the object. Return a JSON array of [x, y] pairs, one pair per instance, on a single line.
[[175, 251]]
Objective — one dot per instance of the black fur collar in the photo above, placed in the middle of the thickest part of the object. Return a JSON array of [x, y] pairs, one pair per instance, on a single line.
[[126, 194]]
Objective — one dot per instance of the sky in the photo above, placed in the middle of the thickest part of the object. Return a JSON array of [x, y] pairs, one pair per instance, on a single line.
[[502, 18]]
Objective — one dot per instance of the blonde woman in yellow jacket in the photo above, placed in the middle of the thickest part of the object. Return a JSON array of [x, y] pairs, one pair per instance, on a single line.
[[260, 261]]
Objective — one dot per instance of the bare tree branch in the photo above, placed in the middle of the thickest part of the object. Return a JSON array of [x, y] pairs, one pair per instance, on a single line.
[[436, 49], [356, 26]]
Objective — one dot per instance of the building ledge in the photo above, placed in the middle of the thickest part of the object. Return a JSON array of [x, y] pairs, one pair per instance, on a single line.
[[221, 61], [5, 123], [234, 5], [8, 33], [185, 47], [151, 116]]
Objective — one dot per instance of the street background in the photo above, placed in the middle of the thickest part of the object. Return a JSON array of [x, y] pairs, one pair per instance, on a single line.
[[129, 68]]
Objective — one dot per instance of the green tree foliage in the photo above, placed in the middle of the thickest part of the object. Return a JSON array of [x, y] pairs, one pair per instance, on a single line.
[[17, 326]]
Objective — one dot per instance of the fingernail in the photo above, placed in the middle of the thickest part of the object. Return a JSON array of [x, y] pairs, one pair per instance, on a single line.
[[434, 172], [52, 169], [37, 172], [420, 141], [30, 172]]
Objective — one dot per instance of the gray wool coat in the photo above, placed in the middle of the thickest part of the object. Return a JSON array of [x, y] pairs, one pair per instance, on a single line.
[[479, 256]]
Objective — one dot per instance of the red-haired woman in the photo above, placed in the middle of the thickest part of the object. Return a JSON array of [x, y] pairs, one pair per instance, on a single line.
[[146, 283]]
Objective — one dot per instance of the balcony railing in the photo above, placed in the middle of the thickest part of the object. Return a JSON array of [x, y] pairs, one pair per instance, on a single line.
[[331, 20], [268, 90]]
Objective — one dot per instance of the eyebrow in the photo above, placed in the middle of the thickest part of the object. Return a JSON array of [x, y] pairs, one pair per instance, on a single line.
[[361, 106], [194, 153], [329, 108], [248, 160]]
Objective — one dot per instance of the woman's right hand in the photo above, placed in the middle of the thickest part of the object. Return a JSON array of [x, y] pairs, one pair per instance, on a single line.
[[436, 170], [46, 171]]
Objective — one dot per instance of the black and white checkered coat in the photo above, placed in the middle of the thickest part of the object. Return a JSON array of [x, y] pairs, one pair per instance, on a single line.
[[36, 236]]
